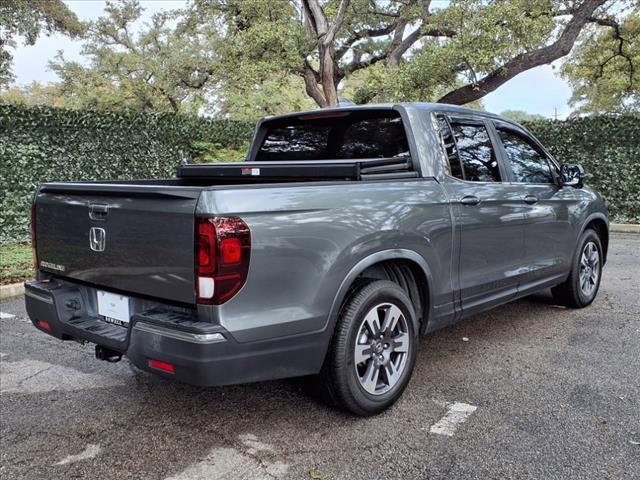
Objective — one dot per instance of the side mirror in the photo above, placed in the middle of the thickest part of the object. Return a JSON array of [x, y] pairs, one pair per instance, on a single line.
[[572, 175]]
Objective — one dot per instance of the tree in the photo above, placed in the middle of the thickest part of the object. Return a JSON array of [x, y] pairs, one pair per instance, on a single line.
[[521, 116], [604, 71], [175, 64], [168, 66], [396, 49], [28, 19], [34, 94], [271, 96]]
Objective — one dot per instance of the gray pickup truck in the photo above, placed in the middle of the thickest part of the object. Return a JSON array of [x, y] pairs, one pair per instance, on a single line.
[[346, 234]]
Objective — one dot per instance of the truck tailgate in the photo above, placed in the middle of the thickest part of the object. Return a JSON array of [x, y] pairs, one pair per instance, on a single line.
[[132, 238]]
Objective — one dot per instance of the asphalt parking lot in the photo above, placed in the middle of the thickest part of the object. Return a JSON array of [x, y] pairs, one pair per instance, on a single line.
[[556, 395]]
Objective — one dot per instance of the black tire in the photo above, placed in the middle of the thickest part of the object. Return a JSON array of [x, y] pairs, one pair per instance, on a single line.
[[340, 381], [569, 293]]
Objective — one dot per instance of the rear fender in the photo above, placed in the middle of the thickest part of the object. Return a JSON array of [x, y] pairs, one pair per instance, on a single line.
[[372, 259]]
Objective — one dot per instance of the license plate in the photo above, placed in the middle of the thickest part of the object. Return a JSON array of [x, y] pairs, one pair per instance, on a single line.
[[113, 307]]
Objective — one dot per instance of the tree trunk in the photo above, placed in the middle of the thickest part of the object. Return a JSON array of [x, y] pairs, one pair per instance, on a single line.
[[328, 74], [316, 23]]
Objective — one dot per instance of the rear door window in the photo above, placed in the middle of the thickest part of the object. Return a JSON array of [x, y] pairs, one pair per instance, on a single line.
[[528, 163], [453, 164], [478, 159]]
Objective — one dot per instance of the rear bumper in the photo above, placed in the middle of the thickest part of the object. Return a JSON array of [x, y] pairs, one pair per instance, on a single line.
[[202, 353]]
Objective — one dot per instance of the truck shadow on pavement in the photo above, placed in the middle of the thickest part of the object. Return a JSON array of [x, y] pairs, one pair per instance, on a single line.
[[442, 353]]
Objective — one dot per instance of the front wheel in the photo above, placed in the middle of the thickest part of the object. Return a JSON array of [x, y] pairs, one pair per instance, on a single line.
[[581, 287], [373, 349]]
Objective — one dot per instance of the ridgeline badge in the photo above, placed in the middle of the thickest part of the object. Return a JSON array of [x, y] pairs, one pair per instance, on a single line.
[[52, 266]]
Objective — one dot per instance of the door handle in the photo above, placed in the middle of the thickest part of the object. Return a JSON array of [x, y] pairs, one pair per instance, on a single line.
[[530, 199], [470, 200], [98, 211]]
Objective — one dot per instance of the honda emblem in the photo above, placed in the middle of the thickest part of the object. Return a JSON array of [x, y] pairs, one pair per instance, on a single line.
[[97, 239]]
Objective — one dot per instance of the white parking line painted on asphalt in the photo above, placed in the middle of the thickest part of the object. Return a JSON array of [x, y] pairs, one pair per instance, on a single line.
[[32, 376], [231, 463], [457, 413], [254, 445], [90, 452], [10, 316]]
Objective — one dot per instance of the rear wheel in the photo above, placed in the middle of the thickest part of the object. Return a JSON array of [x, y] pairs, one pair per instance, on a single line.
[[373, 349], [581, 288]]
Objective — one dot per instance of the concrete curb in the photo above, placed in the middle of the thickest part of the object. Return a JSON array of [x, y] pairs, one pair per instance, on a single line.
[[624, 228], [11, 290]]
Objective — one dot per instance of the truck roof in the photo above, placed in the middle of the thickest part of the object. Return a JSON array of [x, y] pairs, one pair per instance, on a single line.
[[425, 106]]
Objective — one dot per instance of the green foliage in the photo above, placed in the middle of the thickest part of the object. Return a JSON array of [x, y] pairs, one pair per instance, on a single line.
[[167, 66], [521, 116], [272, 96], [182, 63], [33, 94], [207, 152], [604, 70], [259, 47], [243, 59], [608, 147], [39, 144], [483, 41], [27, 19], [15, 263], [382, 51]]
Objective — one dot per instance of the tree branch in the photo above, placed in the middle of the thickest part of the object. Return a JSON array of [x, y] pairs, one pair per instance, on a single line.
[[358, 64], [398, 48], [309, 24], [321, 26], [361, 34], [311, 78], [617, 35], [337, 22], [525, 61]]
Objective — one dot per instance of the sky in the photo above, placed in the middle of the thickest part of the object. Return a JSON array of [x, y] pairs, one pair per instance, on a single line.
[[538, 91]]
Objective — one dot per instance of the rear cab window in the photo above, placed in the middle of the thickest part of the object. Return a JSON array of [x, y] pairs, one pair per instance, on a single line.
[[335, 136]]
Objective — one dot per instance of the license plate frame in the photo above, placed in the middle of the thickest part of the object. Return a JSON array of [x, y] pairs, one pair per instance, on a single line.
[[113, 308]]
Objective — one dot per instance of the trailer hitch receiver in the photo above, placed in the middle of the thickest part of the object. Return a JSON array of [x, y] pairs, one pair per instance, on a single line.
[[104, 353]]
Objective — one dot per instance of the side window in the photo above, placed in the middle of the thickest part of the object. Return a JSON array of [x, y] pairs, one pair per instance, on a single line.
[[478, 159], [528, 163], [449, 146]]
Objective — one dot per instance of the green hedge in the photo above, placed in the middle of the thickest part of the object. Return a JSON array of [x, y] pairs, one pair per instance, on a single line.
[[40, 144], [608, 147]]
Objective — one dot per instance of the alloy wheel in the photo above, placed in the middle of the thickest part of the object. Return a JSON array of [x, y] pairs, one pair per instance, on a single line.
[[382, 348], [589, 269]]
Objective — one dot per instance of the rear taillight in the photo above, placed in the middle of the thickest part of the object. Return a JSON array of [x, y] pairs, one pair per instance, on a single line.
[[34, 254], [223, 248]]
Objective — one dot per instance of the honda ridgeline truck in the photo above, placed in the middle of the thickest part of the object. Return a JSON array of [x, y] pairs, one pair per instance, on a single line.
[[345, 234]]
